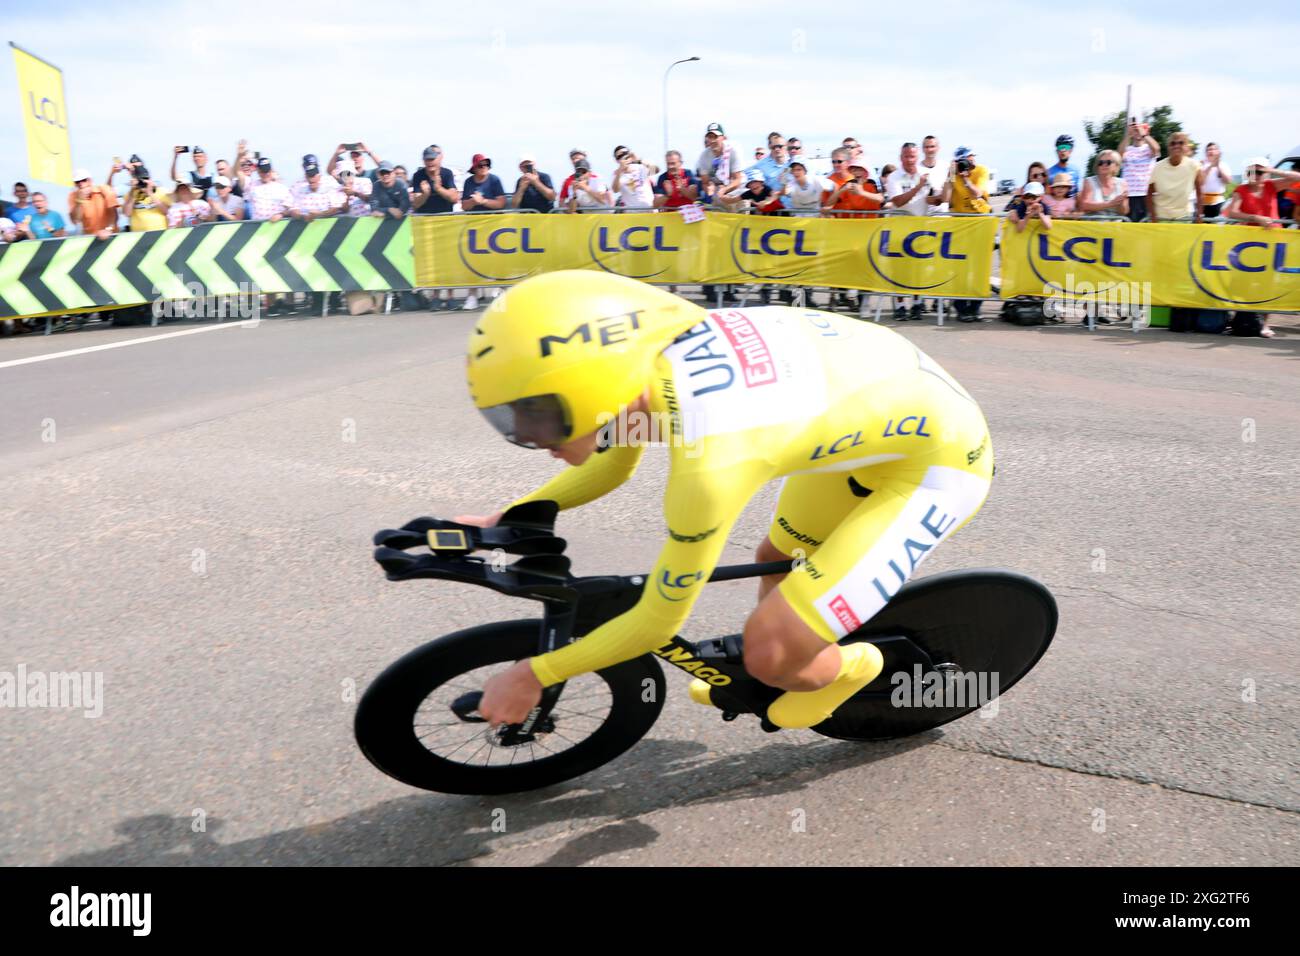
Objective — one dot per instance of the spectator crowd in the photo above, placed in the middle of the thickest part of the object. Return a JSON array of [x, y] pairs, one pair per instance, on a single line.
[[1145, 180]]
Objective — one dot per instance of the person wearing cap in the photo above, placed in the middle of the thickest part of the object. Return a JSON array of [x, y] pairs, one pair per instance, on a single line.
[[200, 176], [319, 196], [751, 195], [1064, 149], [390, 199], [186, 208], [804, 190], [534, 190], [356, 189], [433, 187], [576, 155], [967, 187], [1174, 190], [676, 186], [145, 205], [326, 182], [587, 192], [632, 181], [1105, 192], [268, 199], [1028, 206], [93, 208], [719, 166], [226, 206]]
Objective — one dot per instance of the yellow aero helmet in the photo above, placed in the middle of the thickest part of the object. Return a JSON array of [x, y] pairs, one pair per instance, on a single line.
[[556, 356]]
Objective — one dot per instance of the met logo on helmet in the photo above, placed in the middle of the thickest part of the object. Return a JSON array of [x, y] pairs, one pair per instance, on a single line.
[[611, 330]]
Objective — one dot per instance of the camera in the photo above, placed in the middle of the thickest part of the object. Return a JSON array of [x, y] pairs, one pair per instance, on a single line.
[[528, 167], [141, 175], [964, 165]]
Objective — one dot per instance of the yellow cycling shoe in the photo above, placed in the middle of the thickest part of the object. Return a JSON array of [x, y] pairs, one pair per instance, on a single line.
[[860, 664], [699, 692]]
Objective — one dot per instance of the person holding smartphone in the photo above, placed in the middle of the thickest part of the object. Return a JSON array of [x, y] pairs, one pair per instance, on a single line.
[[587, 193], [534, 190], [631, 181]]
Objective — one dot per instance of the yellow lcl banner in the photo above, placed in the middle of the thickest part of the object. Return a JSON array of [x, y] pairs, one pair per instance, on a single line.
[[45, 118], [1187, 265], [901, 254]]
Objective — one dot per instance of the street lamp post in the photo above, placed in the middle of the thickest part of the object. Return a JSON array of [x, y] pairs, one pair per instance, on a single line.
[[689, 59]]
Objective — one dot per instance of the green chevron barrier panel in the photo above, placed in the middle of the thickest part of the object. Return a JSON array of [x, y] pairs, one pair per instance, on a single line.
[[328, 255]]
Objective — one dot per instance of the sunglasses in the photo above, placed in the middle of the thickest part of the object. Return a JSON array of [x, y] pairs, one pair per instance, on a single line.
[[1105, 162], [837, 162]]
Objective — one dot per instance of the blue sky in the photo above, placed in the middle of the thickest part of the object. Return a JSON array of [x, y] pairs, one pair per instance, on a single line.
[[507, 77]]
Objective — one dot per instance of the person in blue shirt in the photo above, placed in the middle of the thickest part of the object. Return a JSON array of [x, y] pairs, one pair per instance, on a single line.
[[775, 167], [1064, 147], [482, 189], [43, 222]]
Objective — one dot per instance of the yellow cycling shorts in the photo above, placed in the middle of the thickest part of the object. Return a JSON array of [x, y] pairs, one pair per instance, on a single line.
[[864, 533]]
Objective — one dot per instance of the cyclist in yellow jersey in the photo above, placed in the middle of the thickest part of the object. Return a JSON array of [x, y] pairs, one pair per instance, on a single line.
[[882, 455]]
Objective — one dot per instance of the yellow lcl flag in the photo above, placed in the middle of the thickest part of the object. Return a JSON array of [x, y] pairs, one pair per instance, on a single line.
[[45, 118]]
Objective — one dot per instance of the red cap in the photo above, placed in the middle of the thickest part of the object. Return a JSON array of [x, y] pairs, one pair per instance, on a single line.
[[479, 158]]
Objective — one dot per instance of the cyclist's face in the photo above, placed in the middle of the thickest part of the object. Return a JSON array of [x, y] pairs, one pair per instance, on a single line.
[[577, 451]]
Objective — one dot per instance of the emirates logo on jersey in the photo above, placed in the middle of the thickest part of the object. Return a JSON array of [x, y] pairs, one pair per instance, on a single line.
[[844, 614], [755, 358]]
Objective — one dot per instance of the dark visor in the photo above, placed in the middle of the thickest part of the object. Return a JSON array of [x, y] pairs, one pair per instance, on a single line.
[[538, 421]]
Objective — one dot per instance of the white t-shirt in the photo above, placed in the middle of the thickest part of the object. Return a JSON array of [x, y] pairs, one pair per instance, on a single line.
[[584, 199], [900, 181], [636, 188], [806, 200], [938, 174], [1213, 181]]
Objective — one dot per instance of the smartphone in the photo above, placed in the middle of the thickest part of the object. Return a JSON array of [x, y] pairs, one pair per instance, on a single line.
[[183, 149], [351, 147]]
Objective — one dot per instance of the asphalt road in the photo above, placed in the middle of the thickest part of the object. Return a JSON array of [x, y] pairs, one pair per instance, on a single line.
[[190, 517]]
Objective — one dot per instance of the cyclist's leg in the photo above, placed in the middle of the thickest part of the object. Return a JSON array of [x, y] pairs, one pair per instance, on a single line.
[[808, 509], [853, 575]]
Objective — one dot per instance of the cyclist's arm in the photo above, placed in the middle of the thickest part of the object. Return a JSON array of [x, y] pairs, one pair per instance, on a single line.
[[700, 509], [598, 475]]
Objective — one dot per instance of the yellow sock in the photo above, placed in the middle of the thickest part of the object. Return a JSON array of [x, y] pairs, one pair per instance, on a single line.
[[860, 664]]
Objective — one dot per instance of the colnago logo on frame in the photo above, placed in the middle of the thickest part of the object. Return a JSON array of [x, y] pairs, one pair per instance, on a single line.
[[76, 909]]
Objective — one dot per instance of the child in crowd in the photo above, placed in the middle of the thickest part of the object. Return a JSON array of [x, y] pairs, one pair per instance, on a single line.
[[1059, 202]]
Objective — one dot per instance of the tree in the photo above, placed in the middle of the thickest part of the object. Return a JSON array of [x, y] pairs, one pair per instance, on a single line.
[[1110, 132]]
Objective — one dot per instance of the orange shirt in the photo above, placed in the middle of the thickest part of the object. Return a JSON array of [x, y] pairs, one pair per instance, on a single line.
[[99, 211], [851, 200]]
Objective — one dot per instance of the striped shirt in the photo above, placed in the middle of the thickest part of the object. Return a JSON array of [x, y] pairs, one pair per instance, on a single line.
[[1138, 161], [266, 199]]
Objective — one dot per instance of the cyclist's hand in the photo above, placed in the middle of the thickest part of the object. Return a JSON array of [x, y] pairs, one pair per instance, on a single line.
[[510, 695], [479, 521]]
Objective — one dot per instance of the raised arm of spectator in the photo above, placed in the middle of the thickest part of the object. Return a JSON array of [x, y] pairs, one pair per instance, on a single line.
[[334, 160], [366, 149], [176, 155], [1152, 144]]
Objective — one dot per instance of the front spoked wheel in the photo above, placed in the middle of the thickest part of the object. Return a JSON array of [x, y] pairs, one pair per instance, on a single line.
[[413, 722], [982, 631]]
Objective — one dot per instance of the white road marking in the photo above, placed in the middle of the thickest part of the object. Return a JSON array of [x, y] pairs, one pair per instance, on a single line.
[[119, 345]]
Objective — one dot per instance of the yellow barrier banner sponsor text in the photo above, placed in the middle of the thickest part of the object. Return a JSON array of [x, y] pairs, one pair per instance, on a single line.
[[901, 254], [1177, 264]]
